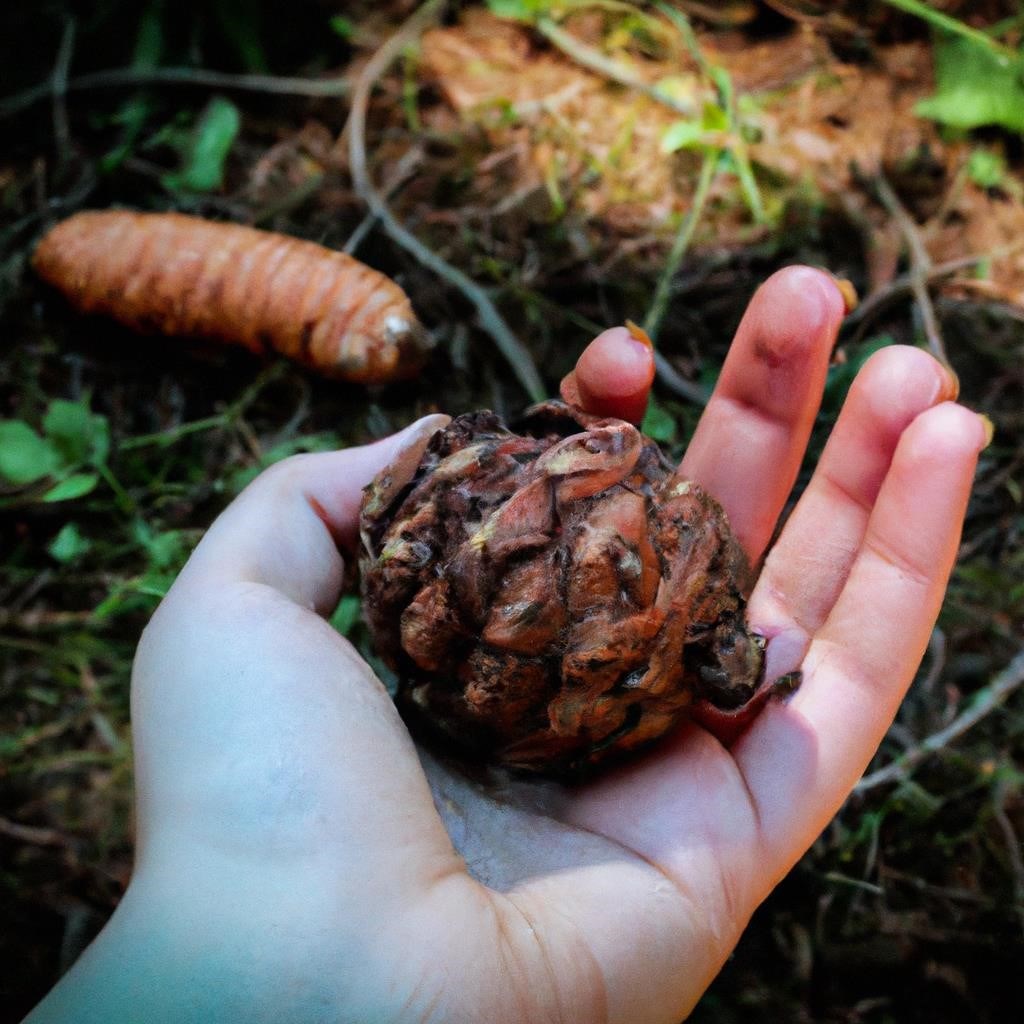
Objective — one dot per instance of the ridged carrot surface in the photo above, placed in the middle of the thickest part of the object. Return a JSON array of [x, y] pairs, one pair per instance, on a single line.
[[181, 275]]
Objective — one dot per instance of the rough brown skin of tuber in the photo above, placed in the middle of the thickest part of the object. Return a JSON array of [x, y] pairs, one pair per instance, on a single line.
[[174, 274]]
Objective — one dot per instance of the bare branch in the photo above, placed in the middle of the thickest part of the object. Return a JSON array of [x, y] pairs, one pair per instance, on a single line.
[[920, 266], [114, 78], [519, 359], [983, 703]]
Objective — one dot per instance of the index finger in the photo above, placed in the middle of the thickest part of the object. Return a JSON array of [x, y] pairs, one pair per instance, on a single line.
[[749, 444]]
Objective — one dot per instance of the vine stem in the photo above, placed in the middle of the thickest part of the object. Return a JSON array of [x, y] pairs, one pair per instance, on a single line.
[[948, 24], [684, 235]]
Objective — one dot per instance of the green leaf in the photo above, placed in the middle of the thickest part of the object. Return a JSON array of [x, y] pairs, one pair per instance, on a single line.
[[74, 486], [715, 118], [975, 86], [682, 135], [658, 422], [135, 111], [517, 10], [24, 455], [346, 615], [207, 149], [342, 26], [69, 544], [79, 434], [165, 550], [986, 168]]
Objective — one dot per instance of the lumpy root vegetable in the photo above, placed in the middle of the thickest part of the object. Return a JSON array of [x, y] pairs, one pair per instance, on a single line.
[[554, 597], [182, 275]]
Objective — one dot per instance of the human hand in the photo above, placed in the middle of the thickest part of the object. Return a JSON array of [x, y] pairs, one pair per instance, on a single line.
[[298, 860]]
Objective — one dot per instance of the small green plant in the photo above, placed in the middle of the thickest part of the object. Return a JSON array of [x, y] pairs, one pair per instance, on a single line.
[[986, 168], [659, 423], [204, 150], [721, 128], [65, 461], [522, 10], [975, 86]]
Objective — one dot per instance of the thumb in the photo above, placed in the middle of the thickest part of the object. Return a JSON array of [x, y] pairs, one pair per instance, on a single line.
[[259, 732], [286, 528]]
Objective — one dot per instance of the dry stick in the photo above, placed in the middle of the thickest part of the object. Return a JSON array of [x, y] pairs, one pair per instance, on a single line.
[[404, 169], [31, 834], [1013, 843], [920, 266], [597, 62], [491, 320], [61, 130], [135, 77], [905, 283], [983, 703]]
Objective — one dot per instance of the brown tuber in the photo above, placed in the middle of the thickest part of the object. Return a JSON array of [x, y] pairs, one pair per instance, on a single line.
[[181, 275]]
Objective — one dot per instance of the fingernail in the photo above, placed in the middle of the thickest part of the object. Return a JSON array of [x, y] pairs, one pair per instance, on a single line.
[[951, 389], [846, 289], [424, 427], [989, 428], [404, 458], [637, 333]]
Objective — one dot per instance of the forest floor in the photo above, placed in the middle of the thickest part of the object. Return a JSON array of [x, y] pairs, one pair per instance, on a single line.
[[582, 164]]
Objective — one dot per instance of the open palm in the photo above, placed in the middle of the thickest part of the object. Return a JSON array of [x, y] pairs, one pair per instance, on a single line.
[[299, 860]]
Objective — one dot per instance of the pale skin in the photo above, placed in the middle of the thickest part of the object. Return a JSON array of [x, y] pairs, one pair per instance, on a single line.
[[299, 860]]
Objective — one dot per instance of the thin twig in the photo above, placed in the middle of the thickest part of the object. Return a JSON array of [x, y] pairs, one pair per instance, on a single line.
[[920, 266], [672, 379], [61, 131], [491, 320], [31, 834], [898, 286], [1013, 844], [36, 620], [613, 70], [114, 78], [982, 704], [229, 416], [403, 170]]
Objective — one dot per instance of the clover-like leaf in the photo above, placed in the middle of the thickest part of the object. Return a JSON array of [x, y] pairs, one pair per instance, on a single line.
[[25, 456]]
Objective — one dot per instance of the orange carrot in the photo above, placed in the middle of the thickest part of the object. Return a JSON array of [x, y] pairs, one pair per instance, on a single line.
[[182, 275]]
